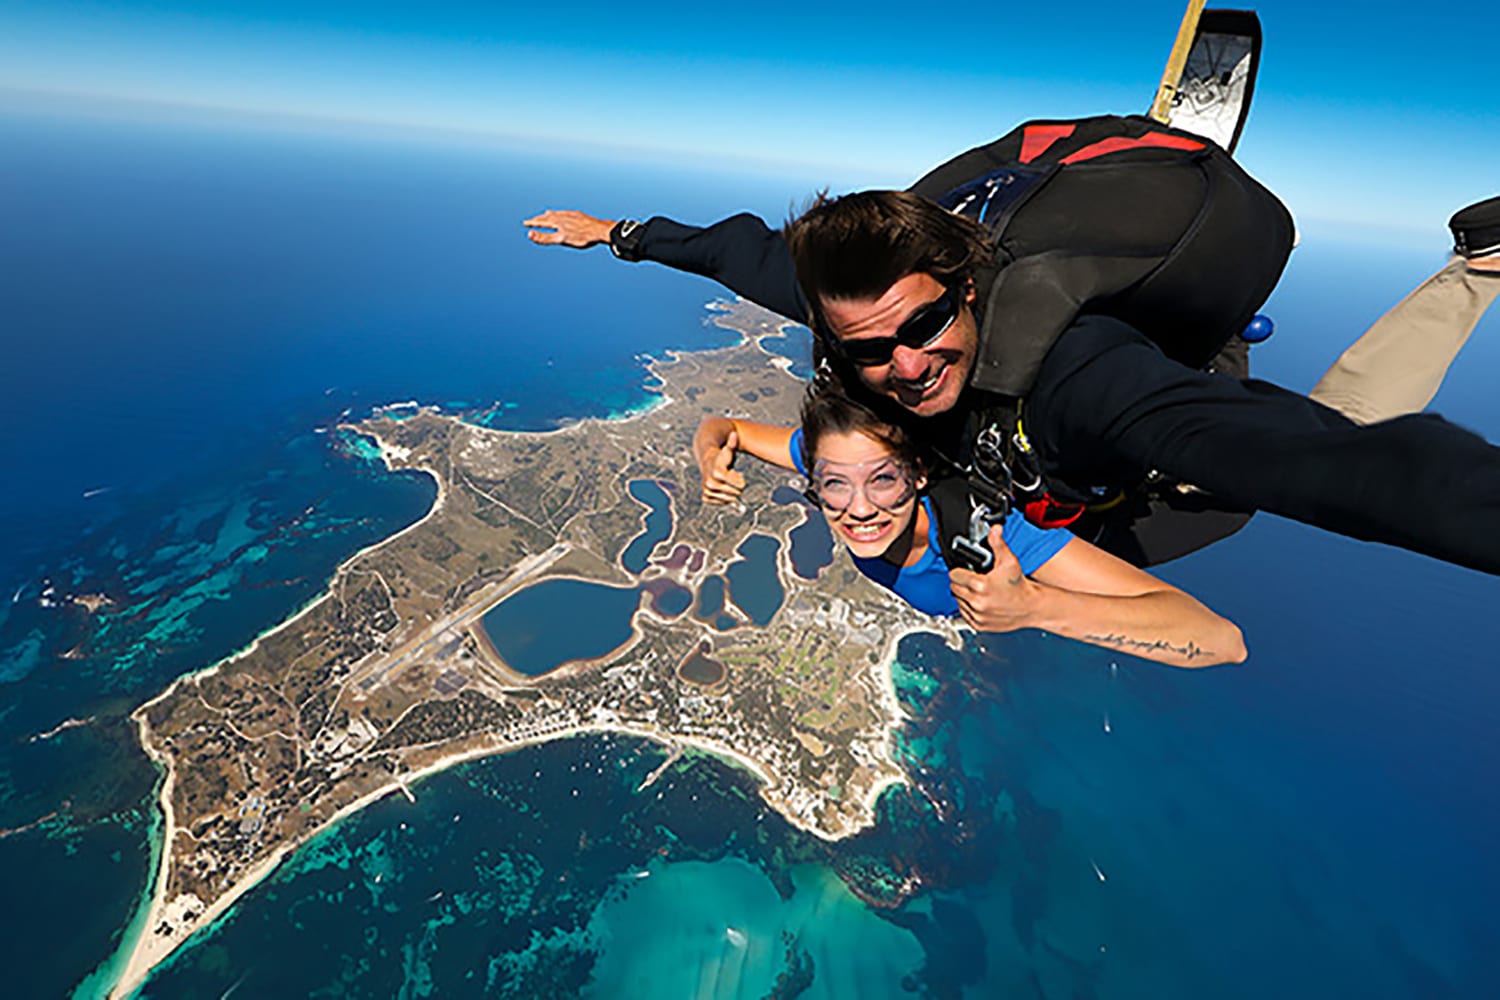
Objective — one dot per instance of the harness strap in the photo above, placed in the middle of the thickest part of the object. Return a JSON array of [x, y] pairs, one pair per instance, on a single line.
[[1003, 470]]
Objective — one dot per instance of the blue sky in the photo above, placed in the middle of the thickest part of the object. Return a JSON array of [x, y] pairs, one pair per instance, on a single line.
[[1363, 114]]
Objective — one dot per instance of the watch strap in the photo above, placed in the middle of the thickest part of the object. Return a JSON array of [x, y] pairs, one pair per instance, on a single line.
[[625, 239]]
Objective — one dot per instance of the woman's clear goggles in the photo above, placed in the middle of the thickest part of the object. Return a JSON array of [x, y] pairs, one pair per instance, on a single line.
[[834, 485]]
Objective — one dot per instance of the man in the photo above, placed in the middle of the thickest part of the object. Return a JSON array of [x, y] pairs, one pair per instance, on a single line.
[[1055, 318]]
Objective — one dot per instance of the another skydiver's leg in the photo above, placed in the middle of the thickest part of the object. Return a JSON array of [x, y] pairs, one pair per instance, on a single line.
[[1398, 365], [1401, 361]]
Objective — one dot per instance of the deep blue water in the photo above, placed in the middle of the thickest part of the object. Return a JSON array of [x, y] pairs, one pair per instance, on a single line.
[[674, 601], [658, 526], [792, 345], [185, 308], [753, 583], [521, 627], [710, 597], [811, 542]]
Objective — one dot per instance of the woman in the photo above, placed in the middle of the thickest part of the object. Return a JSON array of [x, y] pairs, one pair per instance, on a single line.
[[867, 479]]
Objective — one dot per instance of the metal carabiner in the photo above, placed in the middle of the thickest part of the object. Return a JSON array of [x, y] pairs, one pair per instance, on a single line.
[[973, 549]]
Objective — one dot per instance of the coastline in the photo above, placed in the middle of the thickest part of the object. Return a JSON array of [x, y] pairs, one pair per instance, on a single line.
[[137, 966], [148, 953], [190, 917], [895, 717], [254, 644]]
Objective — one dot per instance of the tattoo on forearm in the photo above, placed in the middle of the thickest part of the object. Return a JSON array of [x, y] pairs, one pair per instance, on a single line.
[[1189, 651]]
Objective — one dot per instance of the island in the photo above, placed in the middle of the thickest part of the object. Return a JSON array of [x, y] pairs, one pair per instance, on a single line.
[[392, 674]]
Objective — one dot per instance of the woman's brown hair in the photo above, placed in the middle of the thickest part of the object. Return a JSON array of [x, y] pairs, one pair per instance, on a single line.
[[827, 409]]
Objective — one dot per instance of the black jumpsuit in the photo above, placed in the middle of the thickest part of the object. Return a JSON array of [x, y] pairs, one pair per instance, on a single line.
[[1108, 407]]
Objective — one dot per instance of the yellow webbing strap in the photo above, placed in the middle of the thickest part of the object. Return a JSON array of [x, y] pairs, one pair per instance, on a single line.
[[1177, 61]]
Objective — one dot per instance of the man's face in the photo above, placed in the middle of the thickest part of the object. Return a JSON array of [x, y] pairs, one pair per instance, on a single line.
[[924, 380]]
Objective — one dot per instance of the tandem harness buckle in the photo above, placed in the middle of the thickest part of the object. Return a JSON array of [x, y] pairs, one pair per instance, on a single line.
[[991, 481]]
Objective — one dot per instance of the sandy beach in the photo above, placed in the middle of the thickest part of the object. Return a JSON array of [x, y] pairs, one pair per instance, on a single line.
[[832, 824], [151, 949]]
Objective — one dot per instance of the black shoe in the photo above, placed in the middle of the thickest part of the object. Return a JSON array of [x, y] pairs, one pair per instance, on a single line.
[[1476, 229]]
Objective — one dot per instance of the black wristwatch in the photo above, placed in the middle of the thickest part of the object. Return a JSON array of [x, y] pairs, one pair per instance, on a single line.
[[625, 239]]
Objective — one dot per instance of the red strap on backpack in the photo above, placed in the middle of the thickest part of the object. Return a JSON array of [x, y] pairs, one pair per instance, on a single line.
[[1157, 140], [1037, 139]]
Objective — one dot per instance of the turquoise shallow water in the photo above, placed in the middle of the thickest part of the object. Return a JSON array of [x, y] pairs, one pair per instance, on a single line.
[[175, 425], [1317, 823], [1056, 857], [721, 930], [187, 574]]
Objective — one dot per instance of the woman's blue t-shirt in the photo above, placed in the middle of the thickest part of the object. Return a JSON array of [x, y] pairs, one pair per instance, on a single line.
[[924, 584]]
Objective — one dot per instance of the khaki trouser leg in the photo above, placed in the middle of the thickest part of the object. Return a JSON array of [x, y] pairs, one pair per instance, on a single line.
[[1400, 362]]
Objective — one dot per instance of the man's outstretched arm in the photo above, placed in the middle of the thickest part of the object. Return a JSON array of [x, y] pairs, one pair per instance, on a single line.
[[741, 253]]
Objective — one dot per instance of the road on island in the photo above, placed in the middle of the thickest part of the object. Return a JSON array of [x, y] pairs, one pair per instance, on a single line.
[[418, 647]]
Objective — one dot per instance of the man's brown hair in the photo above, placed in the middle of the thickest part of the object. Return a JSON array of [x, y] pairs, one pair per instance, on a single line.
[[858, 245]]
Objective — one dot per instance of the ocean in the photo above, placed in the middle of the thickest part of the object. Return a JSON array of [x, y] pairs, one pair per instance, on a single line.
[[189, 310]]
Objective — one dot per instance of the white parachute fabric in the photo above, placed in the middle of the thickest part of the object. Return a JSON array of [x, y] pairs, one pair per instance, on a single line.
[[1212, 97]]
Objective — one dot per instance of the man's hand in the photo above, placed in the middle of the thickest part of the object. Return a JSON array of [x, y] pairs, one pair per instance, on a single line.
[[1001, 600], [721, 484], [568, 227]]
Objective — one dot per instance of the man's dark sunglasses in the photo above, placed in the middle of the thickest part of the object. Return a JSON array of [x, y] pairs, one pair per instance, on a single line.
[[926, 324]]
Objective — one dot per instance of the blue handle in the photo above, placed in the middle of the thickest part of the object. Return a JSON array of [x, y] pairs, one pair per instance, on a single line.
[[1260, 329]]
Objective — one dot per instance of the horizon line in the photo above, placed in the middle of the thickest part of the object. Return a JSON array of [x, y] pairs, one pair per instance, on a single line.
[[159, 108], [151, 108]]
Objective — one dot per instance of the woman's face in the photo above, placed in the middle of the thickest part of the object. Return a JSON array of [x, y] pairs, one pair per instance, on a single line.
[[866, 493]]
